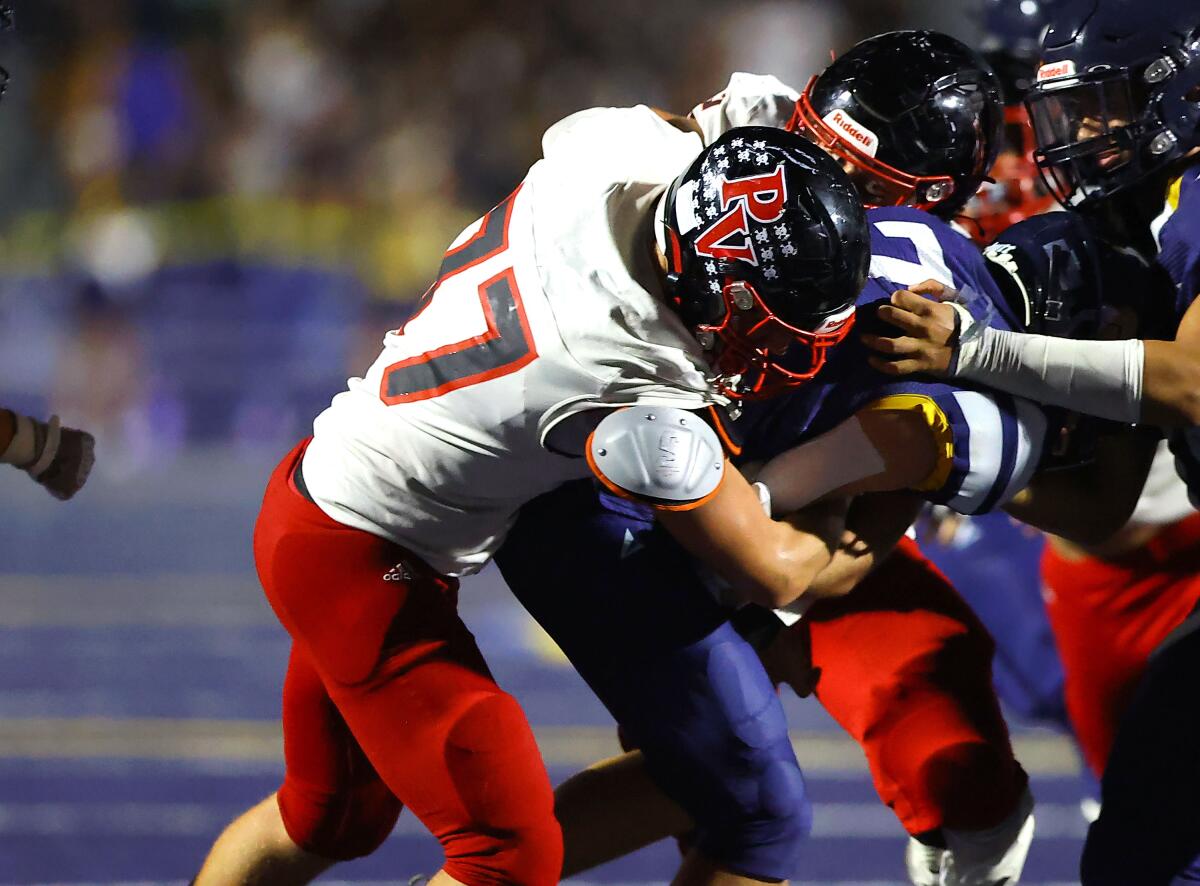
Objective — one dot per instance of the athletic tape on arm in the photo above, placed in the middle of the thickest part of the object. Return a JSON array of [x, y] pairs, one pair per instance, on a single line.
[[1101, 378]]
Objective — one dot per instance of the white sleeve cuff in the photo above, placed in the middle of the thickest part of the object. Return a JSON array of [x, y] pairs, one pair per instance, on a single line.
[[1101, 378]]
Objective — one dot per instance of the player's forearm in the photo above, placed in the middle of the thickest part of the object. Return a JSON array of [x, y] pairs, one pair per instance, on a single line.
[[803, 546], [769, 562], [874, 524], [1088, 504], [787, 556], [19, 439], [58, 458], [1101, 378], [1171, 384]]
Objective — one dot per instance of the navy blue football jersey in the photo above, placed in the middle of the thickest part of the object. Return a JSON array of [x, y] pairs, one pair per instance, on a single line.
[[1179, 254], [993, 441]]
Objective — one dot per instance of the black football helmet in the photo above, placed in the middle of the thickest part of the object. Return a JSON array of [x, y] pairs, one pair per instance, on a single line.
[[914, 115], [1117, 96], [767, 248]]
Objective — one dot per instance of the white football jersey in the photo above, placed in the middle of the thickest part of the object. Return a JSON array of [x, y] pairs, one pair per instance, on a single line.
[[542, 312], [748, 100], [1164, 498]]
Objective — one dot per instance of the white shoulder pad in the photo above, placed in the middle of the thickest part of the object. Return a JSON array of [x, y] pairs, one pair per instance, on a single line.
[[666, 456]]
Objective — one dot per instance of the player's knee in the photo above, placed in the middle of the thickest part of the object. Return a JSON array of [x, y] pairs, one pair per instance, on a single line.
[[784, 814], [338, 825], [514, 837], [768, 814], [764, 835]]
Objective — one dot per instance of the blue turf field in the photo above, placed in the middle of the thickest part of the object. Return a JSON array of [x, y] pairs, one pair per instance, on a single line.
[[139, 680]]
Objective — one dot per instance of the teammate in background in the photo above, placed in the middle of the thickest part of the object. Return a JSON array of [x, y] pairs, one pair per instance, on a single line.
[[1116, 110], [609, 279], [58, 458]]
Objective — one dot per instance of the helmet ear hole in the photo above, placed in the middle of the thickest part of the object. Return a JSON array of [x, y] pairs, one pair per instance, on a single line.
[[1193, 94]]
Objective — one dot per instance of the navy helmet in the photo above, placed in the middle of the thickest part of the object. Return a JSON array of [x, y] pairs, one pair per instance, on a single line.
[[766, 242], [914, 115], [1117, 96], [1060, 278]]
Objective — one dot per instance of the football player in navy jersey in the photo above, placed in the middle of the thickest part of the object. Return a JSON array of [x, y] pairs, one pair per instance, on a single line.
[[1117, 114], [945, 765], [921, 704]]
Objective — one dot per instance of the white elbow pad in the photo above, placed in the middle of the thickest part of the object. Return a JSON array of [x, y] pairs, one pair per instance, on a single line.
[[662, 455]]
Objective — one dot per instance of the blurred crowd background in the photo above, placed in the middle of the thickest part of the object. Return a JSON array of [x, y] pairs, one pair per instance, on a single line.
[[211, 210]]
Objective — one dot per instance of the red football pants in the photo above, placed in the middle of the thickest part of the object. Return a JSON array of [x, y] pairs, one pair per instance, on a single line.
[[906, 669], [388, 701], [1108, 616]]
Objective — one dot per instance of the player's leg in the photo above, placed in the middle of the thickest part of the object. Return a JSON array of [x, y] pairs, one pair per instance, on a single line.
[[393, 677], [1126, 606], [906, 670], [406, 676], [332, 805], [992, 562], [256, 849], [611, 809], [625, 605], [1148, 831]]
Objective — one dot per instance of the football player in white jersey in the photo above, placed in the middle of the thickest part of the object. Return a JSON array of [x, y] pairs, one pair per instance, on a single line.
[[580, 328]]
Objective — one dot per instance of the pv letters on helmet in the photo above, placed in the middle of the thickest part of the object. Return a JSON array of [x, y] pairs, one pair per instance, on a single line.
[[762, 197]]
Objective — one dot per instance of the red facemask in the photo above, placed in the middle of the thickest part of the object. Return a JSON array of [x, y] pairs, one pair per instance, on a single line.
[[749, 339]]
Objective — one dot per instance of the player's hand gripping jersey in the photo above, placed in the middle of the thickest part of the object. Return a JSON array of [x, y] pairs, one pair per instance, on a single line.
[[540, 313], [988, 443]]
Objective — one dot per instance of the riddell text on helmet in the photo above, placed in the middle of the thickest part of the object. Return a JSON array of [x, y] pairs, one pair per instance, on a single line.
[[849, 128]]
